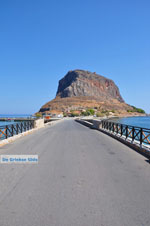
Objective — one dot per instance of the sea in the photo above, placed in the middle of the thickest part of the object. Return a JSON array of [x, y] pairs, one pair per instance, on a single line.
[[3, 123], [141, 121]]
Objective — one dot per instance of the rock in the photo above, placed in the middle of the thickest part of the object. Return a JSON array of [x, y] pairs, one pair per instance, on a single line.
[[80, 90], [80, 83]]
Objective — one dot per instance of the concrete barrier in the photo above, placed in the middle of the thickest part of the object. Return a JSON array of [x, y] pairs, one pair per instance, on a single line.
[[96, 124], [39, 123], [92, 123], [85, 123]]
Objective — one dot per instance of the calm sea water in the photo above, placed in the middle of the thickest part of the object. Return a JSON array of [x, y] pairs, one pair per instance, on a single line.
[[135, 121], [12, 116]]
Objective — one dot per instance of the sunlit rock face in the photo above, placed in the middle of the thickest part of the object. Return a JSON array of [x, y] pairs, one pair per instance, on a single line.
[[80, 83]]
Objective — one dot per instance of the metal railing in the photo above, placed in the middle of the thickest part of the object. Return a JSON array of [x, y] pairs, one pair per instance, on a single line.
[[7, 131], [134, 133]]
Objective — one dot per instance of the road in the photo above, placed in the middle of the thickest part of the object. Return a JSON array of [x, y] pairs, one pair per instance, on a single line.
[[83, 178]]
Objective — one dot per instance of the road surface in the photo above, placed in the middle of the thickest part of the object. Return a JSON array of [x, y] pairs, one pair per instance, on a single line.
[[83, 178]]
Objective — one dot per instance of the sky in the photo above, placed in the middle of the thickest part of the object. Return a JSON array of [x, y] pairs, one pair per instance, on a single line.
[[41, 40]]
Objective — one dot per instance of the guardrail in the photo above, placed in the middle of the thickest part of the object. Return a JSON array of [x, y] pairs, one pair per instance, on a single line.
[[134, 133], [7, 131]]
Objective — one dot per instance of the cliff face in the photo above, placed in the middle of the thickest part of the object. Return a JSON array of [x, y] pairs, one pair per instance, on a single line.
[[80, 90], [81, 83]]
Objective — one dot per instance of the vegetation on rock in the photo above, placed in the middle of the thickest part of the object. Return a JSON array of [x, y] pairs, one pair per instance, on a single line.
[[135, 109]]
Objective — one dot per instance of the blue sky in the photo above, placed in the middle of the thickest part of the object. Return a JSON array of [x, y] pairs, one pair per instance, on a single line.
[[40, 40]]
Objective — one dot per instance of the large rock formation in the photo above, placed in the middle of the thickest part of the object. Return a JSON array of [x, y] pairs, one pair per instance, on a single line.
[[80, 83], [80, 90]]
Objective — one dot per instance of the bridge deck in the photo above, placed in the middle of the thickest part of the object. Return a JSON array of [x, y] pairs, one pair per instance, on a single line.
[[83, 178]]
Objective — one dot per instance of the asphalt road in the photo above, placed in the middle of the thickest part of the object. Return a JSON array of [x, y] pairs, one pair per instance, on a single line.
[[83, 178]]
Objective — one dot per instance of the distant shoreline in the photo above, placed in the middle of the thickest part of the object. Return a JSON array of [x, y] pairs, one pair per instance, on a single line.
[[129, 116]]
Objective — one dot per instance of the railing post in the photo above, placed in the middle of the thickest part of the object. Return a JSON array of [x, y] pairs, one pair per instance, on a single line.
[[126, 132], [133, 132], [25, 126], [141, 137], [17, 128], [111, 126], [32, 124], [117, 128], [6, 132], [121, 130], [12, 129], [21, 127]]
